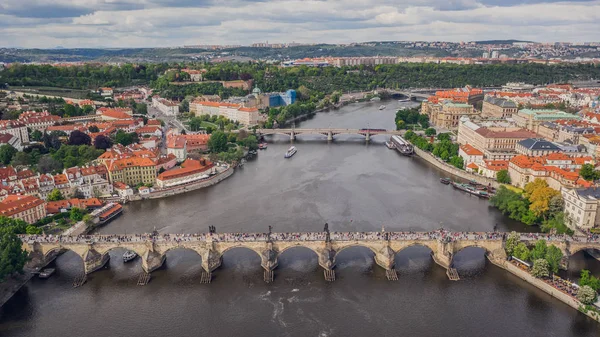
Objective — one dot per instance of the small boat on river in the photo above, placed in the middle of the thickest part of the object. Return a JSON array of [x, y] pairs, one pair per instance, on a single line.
[[381, 107], [445, 181], [46, 273], [390, 145], [471, 190], [129, 255], [290, 152], [262, 146]]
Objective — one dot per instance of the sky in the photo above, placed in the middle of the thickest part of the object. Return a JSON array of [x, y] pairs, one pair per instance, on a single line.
[[170, 23]]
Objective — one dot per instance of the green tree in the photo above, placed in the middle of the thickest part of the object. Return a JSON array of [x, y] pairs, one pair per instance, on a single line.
[[503, 177], [251, 142], [76, 214], [539, 251], [36, 135], [554, 255], [586, 295], [540, 268], [521, 252], [588, 172], [430, 132], [511, 243], [125, 138], [218, 142], [12, 255], [6, 153], [55, 195], [586, 279], [444, 136], [93, 128], [21, 159], [400, 125]]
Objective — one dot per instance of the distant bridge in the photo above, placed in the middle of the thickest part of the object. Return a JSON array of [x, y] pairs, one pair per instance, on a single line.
[[329, 133], [444, 245]]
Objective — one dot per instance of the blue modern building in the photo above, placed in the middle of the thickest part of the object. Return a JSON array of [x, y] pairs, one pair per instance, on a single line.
[[282, 98]]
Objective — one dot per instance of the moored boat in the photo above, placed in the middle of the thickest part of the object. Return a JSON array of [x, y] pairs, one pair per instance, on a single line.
[[290, 152], [262, 146], [445, 181], [471, 190], [45, 273], [390, 145], [129, 255], [381, 107]]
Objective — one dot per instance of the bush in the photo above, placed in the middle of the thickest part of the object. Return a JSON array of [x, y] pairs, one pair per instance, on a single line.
[[540, 268], [586, 295]]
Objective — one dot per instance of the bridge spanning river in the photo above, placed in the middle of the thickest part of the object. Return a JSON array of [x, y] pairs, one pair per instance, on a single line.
[[329, 133], [94, 249]]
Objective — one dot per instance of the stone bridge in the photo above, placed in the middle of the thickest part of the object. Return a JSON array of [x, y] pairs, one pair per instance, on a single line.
[[329, 133], [94, 249]]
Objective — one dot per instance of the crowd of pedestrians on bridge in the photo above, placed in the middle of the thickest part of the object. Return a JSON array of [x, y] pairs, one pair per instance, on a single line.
[[444, 235]]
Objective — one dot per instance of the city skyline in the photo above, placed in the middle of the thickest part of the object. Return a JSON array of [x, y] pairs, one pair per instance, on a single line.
[[172, 23]]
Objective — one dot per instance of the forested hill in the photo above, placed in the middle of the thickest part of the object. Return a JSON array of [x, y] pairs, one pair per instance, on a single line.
[[273, 78]]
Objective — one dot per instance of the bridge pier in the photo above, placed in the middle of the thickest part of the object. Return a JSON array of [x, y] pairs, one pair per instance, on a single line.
[[292, 136], [269, 258], [92, 261], [386, 259], [368, 137], [329, 136], [211, 260], [152, 261]]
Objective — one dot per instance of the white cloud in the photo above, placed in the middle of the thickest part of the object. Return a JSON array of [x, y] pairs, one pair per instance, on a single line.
[[143, 23]]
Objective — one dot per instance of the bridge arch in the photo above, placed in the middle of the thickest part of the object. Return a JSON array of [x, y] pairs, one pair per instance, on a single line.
[[172, 248], [241, 246], [431, 245], [133, 248], [354, 244]]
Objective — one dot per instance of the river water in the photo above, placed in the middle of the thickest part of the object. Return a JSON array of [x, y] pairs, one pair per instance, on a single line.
[[352, 186]]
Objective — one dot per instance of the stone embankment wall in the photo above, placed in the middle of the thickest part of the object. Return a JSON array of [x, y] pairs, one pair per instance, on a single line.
[[548, 289], [428, 157], [183, 189]]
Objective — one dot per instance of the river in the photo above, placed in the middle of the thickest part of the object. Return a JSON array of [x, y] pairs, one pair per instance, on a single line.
[[352, 186]]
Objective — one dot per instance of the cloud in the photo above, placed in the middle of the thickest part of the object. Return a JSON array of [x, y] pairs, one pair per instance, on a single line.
[[147, 23]]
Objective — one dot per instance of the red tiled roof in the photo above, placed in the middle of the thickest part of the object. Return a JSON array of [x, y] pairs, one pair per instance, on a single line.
[[14, 204], [470, 150]]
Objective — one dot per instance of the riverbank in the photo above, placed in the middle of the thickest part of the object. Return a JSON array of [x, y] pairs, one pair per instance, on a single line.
[[545, 287], [13, 284], [440, 164]]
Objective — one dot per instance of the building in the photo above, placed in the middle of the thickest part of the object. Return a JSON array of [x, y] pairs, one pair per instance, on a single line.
[[581, 207], [239, 84], [532, 118], [38, 120], [496, 143], [15, 128], [275, 99], [106, 92], [233, 112], [132, 171], [195, 75], [498, 107], [470, 154], [446, 114], [557, 169], [111, 114], [189, 172], [167, 107], [23, 207], [8, 139], [536, 147], [467, 95], [176, 146]]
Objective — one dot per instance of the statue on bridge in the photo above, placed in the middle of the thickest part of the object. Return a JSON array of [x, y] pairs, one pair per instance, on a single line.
[[212, 229], [327, 234]]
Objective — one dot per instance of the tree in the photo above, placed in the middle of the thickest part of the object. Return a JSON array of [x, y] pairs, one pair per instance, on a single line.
[[218, 142], [586, 295], [521, 252], [102, 142], [47, 164], [540, 268], [21, 159], [539, 194], [430, 132], [125, 138], [586, 279], [12, 255], [79, 138], [141, 108], [554, 255], [588, 172], [93, 128], [503, 177], [6, 153], [443, 136], [55, 195], [36, 135], [511, 243], [423, 121], [251, 142], [400, 125], [539, 251], [76, 214]]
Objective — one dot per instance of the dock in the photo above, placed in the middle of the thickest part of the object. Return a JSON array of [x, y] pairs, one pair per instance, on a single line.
[[391, 274], [269, 274], [143, 279], [452, 274], [329, 275], [205, 278], [79, 280]]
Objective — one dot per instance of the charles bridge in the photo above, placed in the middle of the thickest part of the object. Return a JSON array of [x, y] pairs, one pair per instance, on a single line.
[[329, 133], [152, 248]]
